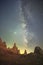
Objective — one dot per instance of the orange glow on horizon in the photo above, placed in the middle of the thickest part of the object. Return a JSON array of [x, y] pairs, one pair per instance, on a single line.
[[21, 49]]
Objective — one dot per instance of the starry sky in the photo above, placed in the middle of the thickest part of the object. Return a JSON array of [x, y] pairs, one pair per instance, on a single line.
[[21, 21]]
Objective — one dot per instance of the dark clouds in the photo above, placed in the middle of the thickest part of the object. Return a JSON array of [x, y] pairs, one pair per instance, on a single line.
[[33, 14]]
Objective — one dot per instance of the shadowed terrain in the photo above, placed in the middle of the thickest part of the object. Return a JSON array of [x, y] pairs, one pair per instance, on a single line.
[[8, 57]]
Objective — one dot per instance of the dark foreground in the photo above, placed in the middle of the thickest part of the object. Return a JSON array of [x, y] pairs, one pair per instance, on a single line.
[[30, 59], [9, 57]]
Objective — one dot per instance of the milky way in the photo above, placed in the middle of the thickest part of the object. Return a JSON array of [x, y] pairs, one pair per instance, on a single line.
[[33, 14], [21, 21]]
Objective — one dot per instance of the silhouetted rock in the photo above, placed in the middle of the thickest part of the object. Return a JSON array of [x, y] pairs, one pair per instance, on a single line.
[[25, 52], [15, 49], [0, 40], [38, 50], [3, 44]]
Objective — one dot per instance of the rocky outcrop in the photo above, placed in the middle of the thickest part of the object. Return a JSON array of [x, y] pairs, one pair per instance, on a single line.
[[38, 50]]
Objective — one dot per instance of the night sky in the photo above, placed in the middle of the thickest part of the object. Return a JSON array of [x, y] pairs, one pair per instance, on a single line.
[[21, 21]]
